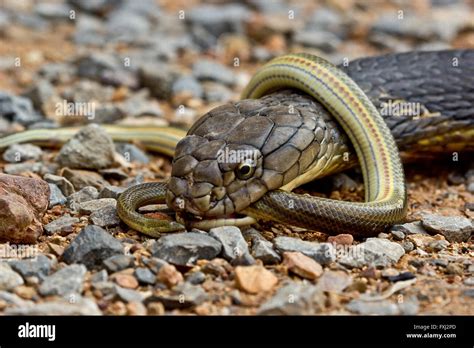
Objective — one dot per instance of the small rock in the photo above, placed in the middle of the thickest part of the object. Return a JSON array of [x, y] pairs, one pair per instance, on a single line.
[[128, 295], [410, 228], [158, 79], [215, 92], [398, 235], [154, 264], [401, 276], [384, 307], [187, 85], [233, 243], [334, 281], [322, 253], [186, 248], [454, 228], [99, 277], [84, 178], [196, 278], [13, 299], [81, 306], [294, 299], [39, 267], [64, 184], [155, 308], [302, 265], [64, 225], [261, 248], [254, 279], [18, 109], [469, 281], [119, 262], [341, 239], [68, 280], [90, 148], [145, 276], [132, 153], [111, 192], [455, 268], [22, 152], [408, 246], [421, 240], [127, 281], [23, 202], [382, 235], [374, 251], [85, 194], [323, 40], [208, 70], [184, 295], [169, 275], [56, 197], [106, 216], [9, 279], [91, 247], [26, 167], [53, 11], [438, 245], [95, 205]]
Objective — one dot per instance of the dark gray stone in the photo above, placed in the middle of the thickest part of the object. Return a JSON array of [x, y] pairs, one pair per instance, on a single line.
[[99, 277], [209, 70], [38, 267], [184, 295], [63, 225], [119, 262], [454, 228], [294, 299], [22, 152], [323, 40], [196, 278], [19, 168], [56, 197], [186, 248], [131, 153], [90, 148], [85, 194], [398, 235], [233, 243], [89, 207], [374, 251], [145, 276], [91, 247], [64, 184], [128, 295], [106, 216], [68, 280], [323, 253], [17, 109], [158, 78], [187, 85], [111, 191], [409, 228]]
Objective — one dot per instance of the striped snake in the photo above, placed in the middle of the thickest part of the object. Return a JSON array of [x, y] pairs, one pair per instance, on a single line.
[[301, 119]]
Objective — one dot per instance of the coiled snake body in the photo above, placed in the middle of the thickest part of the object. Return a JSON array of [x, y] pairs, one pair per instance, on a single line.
[[245, 157]]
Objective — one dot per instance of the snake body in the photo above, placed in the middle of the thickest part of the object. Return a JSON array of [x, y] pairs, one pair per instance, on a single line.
[[297, 137]]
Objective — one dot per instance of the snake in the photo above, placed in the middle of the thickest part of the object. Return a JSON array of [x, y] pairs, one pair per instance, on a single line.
[[300, 119]]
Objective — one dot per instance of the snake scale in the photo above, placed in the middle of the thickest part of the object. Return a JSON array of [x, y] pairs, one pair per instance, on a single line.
[[244, 157]]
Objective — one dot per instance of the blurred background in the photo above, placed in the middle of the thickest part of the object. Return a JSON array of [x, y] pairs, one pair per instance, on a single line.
[[155, 62]]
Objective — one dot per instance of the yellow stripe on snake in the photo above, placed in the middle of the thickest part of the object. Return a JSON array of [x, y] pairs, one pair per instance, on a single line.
[[239, 162]]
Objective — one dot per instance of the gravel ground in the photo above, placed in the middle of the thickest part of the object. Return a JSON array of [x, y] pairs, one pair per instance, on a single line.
[[64, 249]]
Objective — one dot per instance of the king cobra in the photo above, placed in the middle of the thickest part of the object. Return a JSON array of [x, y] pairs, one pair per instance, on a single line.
[[302, 118]]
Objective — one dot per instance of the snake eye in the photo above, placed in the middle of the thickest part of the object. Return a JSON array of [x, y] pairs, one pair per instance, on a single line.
[[245, 170]]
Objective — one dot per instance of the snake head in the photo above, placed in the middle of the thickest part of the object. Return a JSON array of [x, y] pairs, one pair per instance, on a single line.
[[211, 178]]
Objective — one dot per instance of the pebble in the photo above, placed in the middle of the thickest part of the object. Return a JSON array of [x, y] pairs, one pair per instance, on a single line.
[[68, 280], [254, 279], [384, 307], [454, 228], [408, 246], [323, 253], [209, 70], [13, 299], [401, 276], [188, 86], [106, 216], [128, 295], [22, 152], [341, 239], [438, 245], [410, 228], [20, 168], [421, 240], [18, 109], [154, 264], [111, 192], [23, 202], [39, 266], [84, 178], [64, 184], [145, 276], [398, 235], [323, 40], [214, 92], [91, 247], [455, 268], [90, 148], [99, 277], [233, 243], [81, 306], [186, 248], [131, 153], [56, 196], [158, 79], [124, 26], [302, 265], [127, 281], [9, 279], [261, 248], [119, 262], [334, 281], [53, 11], [63, 225], [85, 194], [375, 252], [294, 299], [184, 295], [89, 207], [196, 278], [169, 275]]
